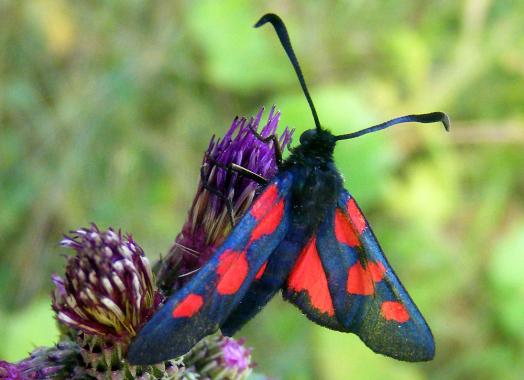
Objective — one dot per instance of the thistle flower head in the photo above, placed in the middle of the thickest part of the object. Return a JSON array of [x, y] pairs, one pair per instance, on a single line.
[[108, 289], [241, 147], [235, 356], [208, 221], [219, 357]]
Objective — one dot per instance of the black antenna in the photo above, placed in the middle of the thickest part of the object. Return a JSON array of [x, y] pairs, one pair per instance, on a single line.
[[283, 36], [432, 117]]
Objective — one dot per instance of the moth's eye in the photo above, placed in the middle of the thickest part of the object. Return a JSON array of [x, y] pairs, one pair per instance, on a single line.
[[307, 135]]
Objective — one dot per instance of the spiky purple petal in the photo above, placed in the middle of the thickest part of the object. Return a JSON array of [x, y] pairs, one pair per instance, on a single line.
[[108, 289], [208, 221], [235, 355]]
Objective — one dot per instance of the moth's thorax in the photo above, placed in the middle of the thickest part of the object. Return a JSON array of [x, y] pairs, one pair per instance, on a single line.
[[316, 183], [315, 149], [315, 190]]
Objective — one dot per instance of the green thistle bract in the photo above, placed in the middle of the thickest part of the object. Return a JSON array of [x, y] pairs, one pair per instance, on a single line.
[[220, 357], [45, 363]]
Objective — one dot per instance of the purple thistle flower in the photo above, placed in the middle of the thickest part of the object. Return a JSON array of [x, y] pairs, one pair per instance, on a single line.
[[9, 371], [219, 357], [108, 289], [235, 355], [208, 221]]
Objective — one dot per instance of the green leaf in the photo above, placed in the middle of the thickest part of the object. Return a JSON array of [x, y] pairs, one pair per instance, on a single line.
[[237, 56], [506, 274], [32, 327], [344, 356]]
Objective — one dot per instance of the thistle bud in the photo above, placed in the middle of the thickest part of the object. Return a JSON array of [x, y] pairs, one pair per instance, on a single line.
[[108, 289], [219, 357], [208, 222], [62, 361]]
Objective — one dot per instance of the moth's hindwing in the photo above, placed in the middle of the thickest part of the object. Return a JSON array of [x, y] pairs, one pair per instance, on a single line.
[[368, 298]]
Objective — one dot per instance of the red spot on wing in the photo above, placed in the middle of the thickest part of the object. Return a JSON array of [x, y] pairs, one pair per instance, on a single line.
[[232, 271], [377, 271], [189, 306], [261, 271], [269, 223], [344, 232], [356, 216], [308, 275], [394, 311], [361, 280], [264, 201]]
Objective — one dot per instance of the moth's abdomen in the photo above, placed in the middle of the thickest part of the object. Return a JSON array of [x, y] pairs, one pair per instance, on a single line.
[[314, 192]]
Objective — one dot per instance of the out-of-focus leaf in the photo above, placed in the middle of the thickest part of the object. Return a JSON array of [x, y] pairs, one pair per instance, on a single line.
[[410, 58], [425, 183], [54, 20], [506, 274], [365, 161], [283, 333], [344, 356], [31, 327], [238, 56]]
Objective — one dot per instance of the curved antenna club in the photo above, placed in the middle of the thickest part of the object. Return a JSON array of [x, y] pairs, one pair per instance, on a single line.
[[283, 36], [432, 117]]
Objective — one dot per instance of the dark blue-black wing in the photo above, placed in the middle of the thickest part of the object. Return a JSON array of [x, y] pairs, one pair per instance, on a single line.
[[202, 305], [343, 281], [269, 280]]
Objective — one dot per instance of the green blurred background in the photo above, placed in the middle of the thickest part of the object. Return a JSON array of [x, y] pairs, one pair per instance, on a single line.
[[107, 107]]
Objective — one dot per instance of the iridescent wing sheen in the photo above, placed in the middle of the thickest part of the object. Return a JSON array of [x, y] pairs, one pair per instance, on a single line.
[[202, 306], [307, 287], [342, 280], [268, 281]]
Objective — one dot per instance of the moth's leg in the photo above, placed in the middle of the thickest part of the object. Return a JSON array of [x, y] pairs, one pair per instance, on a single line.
[[232, 167], [267, 140], [218, 193]]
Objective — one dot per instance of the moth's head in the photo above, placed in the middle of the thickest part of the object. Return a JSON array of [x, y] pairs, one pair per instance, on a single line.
[[318, 141]]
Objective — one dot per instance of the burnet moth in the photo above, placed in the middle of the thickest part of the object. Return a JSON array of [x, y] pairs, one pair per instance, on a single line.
[[305, 235]]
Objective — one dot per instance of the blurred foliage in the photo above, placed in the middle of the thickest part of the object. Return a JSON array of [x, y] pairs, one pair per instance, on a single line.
[[106, 108]]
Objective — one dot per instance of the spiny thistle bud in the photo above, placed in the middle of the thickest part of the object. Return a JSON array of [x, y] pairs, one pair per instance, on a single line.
[[219, 357], [103, 361], [59, 362], [67, 361], [107, 294], [208, 222], [108, 289]]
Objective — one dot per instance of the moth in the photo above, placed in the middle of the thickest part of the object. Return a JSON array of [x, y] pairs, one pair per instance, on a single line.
[[306, 236]]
